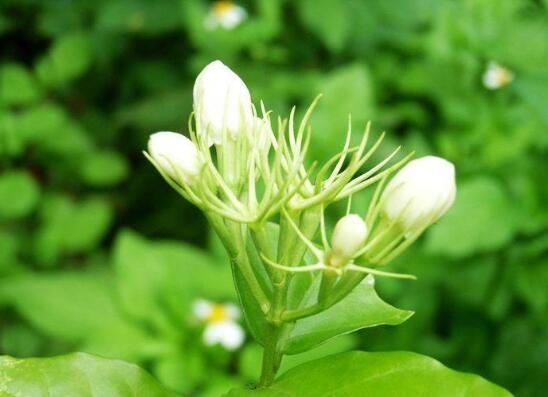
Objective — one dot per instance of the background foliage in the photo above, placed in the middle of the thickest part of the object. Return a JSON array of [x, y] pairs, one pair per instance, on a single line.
[[83, 84]]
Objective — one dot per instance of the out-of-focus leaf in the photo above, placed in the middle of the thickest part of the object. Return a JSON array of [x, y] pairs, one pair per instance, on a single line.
[[151, 275], [483, 218], [68, 58], [19, 194], [327, 19], [345, 91], [69, 226], [17, 85], [103, 168], [9, 247], [361, 374], [20, 340], [76, 374], [160, 112], [139, 16], [64, 305], [169, 368]]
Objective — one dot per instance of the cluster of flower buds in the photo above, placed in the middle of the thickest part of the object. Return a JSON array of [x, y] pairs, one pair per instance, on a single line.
[[240, 173], [416, 197]]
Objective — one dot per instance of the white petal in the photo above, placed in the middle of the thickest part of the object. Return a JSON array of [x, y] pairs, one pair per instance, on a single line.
[[226, 333], [202, 309], [233, 312]]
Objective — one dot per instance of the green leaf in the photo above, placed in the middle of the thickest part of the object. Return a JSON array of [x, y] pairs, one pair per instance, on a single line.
[[361, 374], [328, 19], [104, 168], [17, 86], [70, 226], [362, 308], [483, 218], [68, 58], [65, 305], [347, 90], [139, 16], [19, 194], [76, 375], [152, 274]]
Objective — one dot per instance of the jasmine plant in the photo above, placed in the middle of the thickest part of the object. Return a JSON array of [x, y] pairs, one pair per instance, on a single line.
[[246, 171]]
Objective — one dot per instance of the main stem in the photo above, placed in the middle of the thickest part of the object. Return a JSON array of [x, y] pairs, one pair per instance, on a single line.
[[272, 358]]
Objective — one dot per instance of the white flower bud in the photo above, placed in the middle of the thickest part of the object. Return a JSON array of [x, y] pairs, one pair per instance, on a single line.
[[221, 101], [175, 154], [348, 238], [420, 193]]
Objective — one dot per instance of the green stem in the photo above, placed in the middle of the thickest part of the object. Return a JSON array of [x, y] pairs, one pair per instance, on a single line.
[[272, 357], [231, 237], [290, 251]]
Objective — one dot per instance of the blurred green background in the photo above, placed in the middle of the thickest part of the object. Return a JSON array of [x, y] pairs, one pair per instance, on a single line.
[[98, 254]]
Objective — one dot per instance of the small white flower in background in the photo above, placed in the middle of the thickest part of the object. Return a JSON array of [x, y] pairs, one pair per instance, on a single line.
[[175, 154], [496, 76], [221, 100], [225, 14], [420, 193], [221, 323], [348, 237]]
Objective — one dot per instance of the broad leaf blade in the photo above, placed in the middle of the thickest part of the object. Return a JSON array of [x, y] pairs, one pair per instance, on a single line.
[[76, 375], [362, 308], [361, 374]]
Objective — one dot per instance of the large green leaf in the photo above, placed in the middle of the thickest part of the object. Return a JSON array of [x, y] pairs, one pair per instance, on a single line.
[[361, 374], [75, 375], [362, 308]]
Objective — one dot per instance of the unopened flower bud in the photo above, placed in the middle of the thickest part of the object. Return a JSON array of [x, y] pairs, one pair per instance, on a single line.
[[221, 102], [348, 237], [420, 193], [175, 154]]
